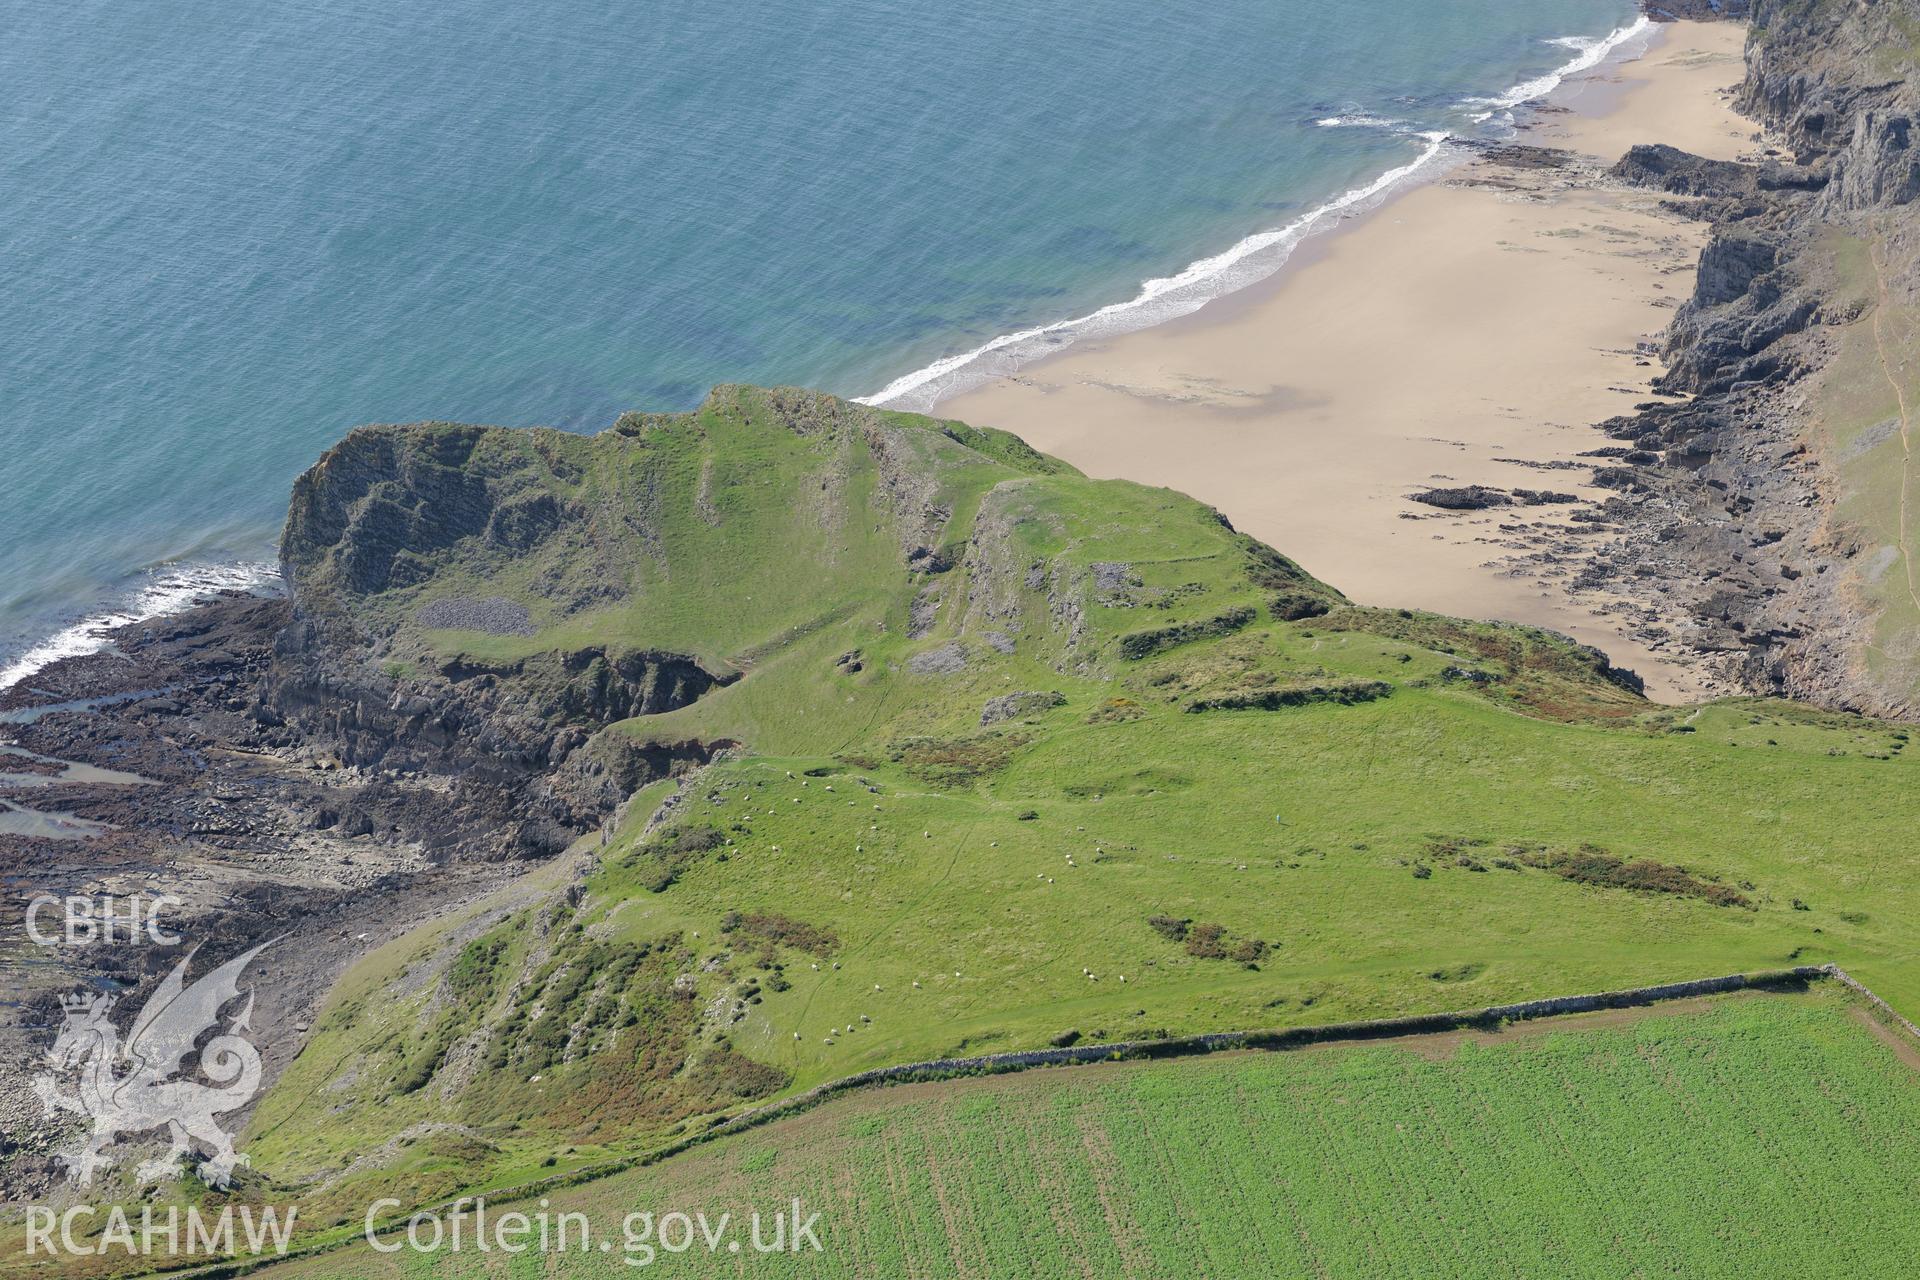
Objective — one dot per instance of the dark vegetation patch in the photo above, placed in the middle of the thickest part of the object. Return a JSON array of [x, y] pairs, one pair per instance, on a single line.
[[956, 762], [1541, 672], [659, 861], [1342, 692], [1589, 864], [1458, 973], [724, 1073], [1293, 606], [1271, 571], [611, 1029], [1172, 928], [1141, 644], [783, 930], [1204, 941]]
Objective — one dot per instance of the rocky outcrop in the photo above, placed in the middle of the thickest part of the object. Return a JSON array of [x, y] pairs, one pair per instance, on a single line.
[[1480, 497], [376, 509], [1012, 706], [1730, 512], [495, 730], [1695, 10]]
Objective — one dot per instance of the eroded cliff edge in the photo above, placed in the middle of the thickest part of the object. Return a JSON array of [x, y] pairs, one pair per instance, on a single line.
[[1770, 496]]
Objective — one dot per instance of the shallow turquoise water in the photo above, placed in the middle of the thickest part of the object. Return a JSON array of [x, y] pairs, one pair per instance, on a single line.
[[230, 233]]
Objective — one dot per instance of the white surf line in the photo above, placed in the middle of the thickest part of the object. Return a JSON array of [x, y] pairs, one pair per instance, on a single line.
[[1163, 288], [1186, 291], [1591, 54], [167, 591]]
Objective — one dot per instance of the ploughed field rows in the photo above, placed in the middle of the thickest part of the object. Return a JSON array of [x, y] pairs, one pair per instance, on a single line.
[[1756, 1135]]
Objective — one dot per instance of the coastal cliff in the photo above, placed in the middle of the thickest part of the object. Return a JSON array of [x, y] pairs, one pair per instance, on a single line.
[[1770, 494], [951, 660]]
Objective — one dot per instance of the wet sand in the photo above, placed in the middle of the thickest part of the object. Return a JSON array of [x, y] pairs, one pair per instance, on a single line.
[[1470, 331]]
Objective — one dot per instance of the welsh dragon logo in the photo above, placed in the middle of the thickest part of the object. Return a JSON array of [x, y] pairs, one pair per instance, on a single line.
[[137, 1087]]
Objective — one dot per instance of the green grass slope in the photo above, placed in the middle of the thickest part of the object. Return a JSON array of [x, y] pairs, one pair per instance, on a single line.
[[1760, 1135], [1026, 757], [1864, 409]]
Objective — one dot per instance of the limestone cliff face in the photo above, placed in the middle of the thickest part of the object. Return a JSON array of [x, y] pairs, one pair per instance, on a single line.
[[1739, 495], [376, 509], [1834, 80], [385, 510]]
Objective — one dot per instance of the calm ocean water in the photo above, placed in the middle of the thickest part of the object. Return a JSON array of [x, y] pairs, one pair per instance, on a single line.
[[230, 233]]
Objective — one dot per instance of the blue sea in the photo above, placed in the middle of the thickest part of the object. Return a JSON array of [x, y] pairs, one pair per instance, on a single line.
[[229, 233]]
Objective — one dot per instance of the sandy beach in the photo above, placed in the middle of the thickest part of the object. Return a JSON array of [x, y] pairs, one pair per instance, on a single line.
[[1470, 331]]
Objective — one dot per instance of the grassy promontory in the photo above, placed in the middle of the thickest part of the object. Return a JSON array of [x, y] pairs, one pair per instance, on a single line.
[[1019, 757]]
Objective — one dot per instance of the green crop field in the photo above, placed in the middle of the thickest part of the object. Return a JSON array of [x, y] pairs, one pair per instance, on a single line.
[[1760, 1135]]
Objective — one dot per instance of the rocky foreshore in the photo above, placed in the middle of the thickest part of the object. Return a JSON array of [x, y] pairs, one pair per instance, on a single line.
[[1732, 499], [283, 792]]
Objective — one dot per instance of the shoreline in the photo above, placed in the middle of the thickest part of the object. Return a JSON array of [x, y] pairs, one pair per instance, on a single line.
[[166, 590], [1259, 256], [173, 586], [1469, 331]]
